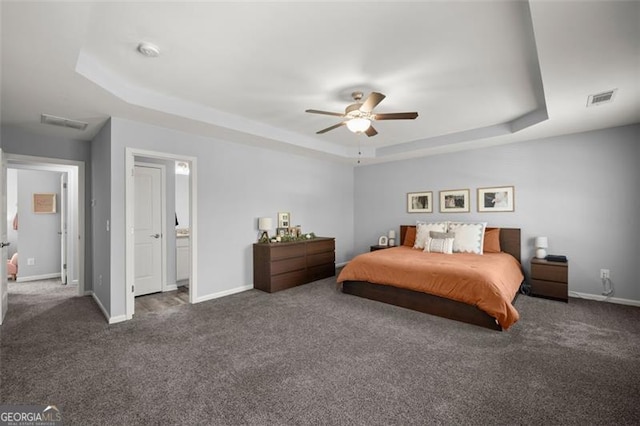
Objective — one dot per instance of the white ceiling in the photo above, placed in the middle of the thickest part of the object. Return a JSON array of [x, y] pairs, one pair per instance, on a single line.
[[478, 73]]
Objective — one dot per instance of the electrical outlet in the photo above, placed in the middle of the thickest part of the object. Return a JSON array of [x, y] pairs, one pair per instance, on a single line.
[[604, 274], [31, 261]]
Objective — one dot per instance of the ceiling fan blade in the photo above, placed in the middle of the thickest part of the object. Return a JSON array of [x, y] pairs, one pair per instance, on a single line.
[[335, 126], [396, 116], [315, 111], [372, 100], [371, 131]]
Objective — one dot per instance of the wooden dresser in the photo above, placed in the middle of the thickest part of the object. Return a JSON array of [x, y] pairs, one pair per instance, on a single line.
[[278, 266]]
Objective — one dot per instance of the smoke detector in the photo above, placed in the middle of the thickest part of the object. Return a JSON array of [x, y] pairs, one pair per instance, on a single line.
[[149, 50], [601, 98], [62, 122]]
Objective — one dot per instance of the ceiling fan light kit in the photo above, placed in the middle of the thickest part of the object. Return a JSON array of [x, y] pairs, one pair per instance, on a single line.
[[358, 116], [358, 125]]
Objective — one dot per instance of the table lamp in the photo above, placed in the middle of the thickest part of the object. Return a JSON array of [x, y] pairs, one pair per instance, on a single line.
[[265, 225], [392, 238], [541, 244]]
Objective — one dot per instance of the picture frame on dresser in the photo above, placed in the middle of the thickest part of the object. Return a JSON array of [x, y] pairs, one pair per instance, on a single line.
[[284, 219], [454, 201], [420, 202], [496, 199]]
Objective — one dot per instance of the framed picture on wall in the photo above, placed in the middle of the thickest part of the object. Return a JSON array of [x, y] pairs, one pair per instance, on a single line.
[[420, 202], [454, 201], [44, 203], [496, 199]]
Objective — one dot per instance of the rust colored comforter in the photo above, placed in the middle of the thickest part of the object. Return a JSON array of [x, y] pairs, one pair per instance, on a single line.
[[489, 281]]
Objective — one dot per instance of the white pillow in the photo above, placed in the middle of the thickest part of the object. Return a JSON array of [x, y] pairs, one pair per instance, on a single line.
[[469, 237], [439, 245], [423, 229]]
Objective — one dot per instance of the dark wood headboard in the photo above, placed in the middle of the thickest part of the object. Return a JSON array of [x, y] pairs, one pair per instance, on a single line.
[[509, 239]]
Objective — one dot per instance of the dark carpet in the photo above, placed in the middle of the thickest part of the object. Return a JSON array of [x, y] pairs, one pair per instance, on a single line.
[[312, 355]]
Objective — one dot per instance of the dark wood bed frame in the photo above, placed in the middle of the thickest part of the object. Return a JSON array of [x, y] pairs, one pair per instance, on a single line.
[[428, 303]]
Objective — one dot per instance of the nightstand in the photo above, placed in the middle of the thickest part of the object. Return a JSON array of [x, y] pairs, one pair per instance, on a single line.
[[550, 279], [377, 247]]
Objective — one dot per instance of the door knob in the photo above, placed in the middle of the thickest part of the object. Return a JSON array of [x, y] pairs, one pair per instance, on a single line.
[[3, 244], [155, 235]]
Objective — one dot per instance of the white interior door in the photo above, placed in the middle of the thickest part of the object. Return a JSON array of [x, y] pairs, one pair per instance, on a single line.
[[63, 227], [4, 291], [147, 230]]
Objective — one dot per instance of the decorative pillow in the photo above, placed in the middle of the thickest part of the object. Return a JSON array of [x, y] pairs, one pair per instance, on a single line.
[[423, 229], [469, 236], [439, 245], [491, 240], [409, 237], [434, 234]]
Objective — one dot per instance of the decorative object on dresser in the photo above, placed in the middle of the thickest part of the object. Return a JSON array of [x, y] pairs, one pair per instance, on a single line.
[[284, 219], [496, 199], [420, 202], [278, 266], [383, 240], [454, 201], [392, 238], [541, 243], [265, 224], [550, 279]]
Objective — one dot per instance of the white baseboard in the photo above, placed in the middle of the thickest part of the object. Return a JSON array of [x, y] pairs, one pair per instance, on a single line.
[[38, 277], [170, 287], [601, 298], [341, 264], [110, 320], [223, 293]]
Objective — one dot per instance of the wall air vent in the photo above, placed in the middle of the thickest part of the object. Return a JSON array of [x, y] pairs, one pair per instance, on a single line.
[[63, 122], [601, 98]]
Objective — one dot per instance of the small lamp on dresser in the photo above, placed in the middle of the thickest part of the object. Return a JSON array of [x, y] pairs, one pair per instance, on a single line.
[[264, 225], [392, 238], [541, 247]]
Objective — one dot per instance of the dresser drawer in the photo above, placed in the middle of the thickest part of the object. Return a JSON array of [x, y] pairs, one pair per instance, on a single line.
[[547, 272], [550, 289], [321, 259], [320, 246], [288, 280], [286, 251], [322, 271], [288, 265]]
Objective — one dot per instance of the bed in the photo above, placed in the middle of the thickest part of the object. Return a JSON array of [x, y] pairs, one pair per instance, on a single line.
[[434, 291]]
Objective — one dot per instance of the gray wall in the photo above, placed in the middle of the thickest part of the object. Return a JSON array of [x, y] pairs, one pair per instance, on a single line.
[[38, 237], [101, 213], [17, 141], [237, 184], [579, 190]]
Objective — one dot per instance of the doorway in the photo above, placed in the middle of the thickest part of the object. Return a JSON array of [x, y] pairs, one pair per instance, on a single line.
[[74, 212], [135, 157]]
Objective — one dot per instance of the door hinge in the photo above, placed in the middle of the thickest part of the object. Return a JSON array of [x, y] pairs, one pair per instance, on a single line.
[[64, 266], [132, 289], [64, 185]]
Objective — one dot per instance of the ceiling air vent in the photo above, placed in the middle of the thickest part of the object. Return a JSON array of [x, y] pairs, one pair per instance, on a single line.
[[63, 122], [601, 98]]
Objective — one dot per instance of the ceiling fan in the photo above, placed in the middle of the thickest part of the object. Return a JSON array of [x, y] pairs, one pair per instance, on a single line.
[[358, 116]]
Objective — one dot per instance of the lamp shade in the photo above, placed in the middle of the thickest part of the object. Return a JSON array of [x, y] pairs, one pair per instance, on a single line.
[[265, 224], [392, 234], [358, 125], [542, 242]]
